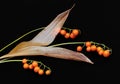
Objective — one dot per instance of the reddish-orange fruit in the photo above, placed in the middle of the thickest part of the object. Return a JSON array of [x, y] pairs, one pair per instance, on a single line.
[[24, 60], [88, 49], [48, 72], [30, 66], [72, 36], [36, 69], [98, 48], [106, 53], [101, 52], [75, 32], [79, 48], [41, 72], [93, 47], [67, 35], [62, 32], [34, 63], [88, 43], [25, 66]]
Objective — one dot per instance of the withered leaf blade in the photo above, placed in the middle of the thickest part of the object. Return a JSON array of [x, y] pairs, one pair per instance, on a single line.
[[47, 35], [54, 52]]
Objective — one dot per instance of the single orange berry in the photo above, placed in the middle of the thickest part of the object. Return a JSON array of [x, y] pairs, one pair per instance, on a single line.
[[62, 32], [98, 48], [48, 72], [79, 48], [24, 60], [30, 66], [67, 35], [41, 72], [93, 47], [72, 36], [34, 63], [106, 53], [75, 32], [88, 49], [101, 52], [25, 66], [36, 69], [88, 43]]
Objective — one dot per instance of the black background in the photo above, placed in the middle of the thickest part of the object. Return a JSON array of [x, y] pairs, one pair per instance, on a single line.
[[94, 18]]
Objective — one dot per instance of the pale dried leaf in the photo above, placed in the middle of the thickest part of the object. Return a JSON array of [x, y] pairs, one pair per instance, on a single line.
[[55, 52], [48, 35]]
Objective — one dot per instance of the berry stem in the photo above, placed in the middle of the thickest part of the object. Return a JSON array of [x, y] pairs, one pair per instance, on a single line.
[[67, 43], [100, 44], [67, 29], [5, 61]]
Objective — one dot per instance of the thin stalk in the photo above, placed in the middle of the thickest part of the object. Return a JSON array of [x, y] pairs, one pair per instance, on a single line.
[[5, 61], [67, 43], [20, 38], [100, 44]]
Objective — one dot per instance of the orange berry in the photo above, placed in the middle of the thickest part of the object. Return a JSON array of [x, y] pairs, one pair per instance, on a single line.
[[25, 66], [75, 32], [48, 72], [36, 69], [72, 36], [79, 48], [88, 43], [67, 35], [30, 66], [34, 63], [106, 53], [62, 32], [41, 72], [98, 49], [24, 60], [101, 52], [88, 49], [93, 47]]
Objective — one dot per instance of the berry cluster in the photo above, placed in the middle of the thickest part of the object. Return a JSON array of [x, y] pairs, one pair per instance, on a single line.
[[40, 68], [71, 34], [34, 65], [93, 46]]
